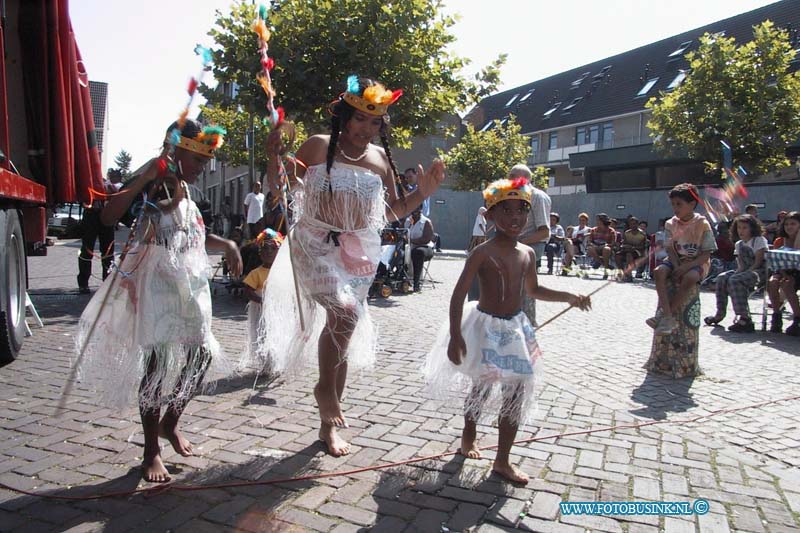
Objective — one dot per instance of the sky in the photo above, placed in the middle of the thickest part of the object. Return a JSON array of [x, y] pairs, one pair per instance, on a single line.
[[144, 50]]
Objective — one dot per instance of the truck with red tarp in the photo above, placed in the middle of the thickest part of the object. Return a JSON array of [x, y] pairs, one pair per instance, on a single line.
[[48, 148]]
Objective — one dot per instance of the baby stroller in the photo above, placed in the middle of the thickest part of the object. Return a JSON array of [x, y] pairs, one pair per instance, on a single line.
[[394, 265]]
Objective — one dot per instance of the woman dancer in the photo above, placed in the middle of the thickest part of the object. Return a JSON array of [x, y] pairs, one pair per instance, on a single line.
[[349, 192]]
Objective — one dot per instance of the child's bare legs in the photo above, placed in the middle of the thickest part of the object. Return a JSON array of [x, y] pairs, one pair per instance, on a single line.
[[569, 253], [662, 274], [153, 468], [686, 283], [774, 292], [606, 256], [789, 290], [194, 372], [472, 410], [332, 378], [507, 429]]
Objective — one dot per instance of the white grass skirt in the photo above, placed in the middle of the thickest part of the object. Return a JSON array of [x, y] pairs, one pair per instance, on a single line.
[[499, 373]]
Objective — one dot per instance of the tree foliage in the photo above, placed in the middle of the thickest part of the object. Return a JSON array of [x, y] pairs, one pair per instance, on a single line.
[[481, 157], [744, 95], [123, 162], [316, 45], [235, 151]]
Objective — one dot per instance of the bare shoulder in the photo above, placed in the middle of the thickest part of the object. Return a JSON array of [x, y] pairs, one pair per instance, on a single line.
[[314, 150], [378, 159]]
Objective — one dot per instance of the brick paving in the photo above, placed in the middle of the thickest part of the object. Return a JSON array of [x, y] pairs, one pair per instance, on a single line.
[[743, 463]]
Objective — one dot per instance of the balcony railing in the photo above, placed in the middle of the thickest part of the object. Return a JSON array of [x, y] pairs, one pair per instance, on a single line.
[[560, 155]]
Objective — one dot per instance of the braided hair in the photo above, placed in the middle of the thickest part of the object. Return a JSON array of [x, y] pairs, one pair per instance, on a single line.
[[341, 113]]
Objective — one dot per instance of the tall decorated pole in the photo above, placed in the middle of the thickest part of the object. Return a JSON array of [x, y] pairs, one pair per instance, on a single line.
[[275, 120]]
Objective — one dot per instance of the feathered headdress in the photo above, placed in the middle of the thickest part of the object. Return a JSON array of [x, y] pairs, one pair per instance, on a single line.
[[269, 237], [208, 140], [373, 100], [506, 189]]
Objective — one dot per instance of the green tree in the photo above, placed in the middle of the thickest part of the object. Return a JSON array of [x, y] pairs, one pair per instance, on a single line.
[[316, 45], [123, 162], [744, 95], [481, 157], [235, 151]]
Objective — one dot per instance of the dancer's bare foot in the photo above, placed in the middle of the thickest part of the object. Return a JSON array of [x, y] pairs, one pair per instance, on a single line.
[[469, 447], [153, 469], [176, 438], [510, 472], [337, 446], [330, 412]]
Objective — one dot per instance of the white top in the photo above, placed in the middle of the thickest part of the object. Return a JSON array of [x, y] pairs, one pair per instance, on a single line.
[[756, 243], [580, 233], [539, 215], [479, 228], [557, 231], [255, 207], [416, 230]]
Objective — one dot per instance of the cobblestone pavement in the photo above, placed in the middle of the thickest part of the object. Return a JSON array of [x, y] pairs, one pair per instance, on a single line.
[[743, 463]]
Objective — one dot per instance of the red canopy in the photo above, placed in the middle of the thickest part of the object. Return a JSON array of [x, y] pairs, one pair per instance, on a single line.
[[62, 144]]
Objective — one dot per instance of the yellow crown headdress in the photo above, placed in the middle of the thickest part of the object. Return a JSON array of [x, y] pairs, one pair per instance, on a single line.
[[208, 140], [506, 189], [374, 100]]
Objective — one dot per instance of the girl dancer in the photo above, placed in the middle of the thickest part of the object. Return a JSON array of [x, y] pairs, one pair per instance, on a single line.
[[148, 328], [349, 192]]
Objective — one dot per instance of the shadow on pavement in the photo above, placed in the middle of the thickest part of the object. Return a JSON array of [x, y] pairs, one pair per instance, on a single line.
[[456, 496], [243, 508], [778, 341], [662, 395]]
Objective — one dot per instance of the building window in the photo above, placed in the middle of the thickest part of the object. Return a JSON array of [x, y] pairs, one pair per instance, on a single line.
[[553, 140], [647, 86], [526, 95], [633, 178], [513, 99], [677, 81], [551, 110], [680, 50], [607, 135], [573, 104], [535, 145], [213, 165]]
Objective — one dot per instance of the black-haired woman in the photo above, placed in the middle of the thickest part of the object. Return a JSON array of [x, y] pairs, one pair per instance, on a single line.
[[348, 193]]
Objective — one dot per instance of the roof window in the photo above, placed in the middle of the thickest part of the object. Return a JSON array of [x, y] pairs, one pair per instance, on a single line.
[[551, 110], [526, 95], [681, 49], [573, 104], [647, 86], [512, 100], [677, 80]]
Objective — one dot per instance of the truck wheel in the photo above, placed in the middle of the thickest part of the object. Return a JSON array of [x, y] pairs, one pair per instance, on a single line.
[[12, 286]]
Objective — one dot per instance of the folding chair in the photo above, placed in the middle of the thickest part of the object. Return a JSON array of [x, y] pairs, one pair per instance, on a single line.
[[426, 274]]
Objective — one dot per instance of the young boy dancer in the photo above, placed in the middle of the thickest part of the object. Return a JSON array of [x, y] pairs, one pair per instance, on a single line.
[[490, 350]]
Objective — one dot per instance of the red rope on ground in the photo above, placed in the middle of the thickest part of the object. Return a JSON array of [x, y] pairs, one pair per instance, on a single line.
[[189, 488]]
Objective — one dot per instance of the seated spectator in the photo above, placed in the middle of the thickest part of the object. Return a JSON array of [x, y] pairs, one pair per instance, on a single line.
[[750, 249], [782, 285], [420, 232], [602, 240], [773, 227], [575, 243], [634, 242], [723, 259], [556, 240]]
